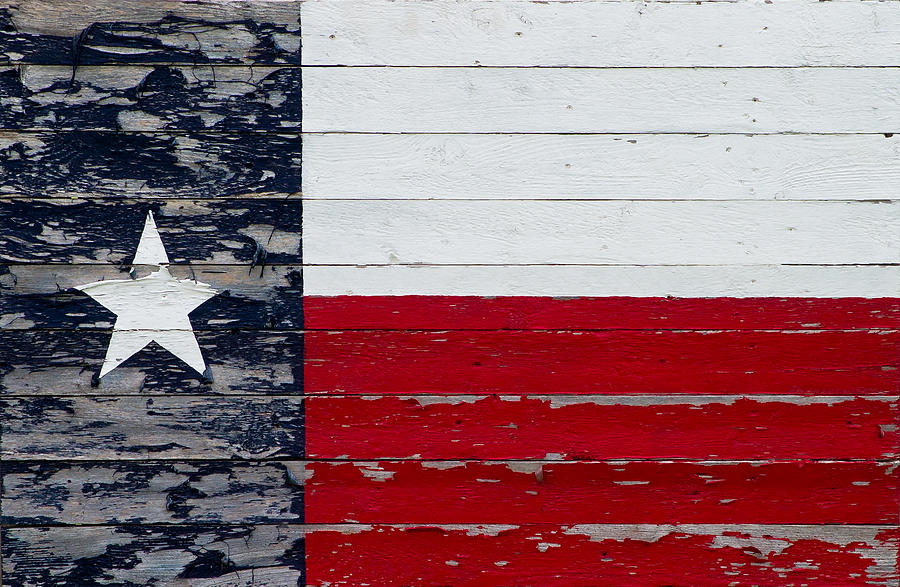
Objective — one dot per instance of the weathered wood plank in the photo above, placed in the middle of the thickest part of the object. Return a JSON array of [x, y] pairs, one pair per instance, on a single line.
[[67, 363], [652, 167], [126, 428], [245, 232], [161, 492], [608, 34], [619, 492], [737, 281], [131, 31], [149, 165], [819, 362], [602, 427], [586, 554], [135, 556], [597, 313], [460, 555], [150, 98], [50, 363], [44, 296], [514, 492], [382, 232], [548, 100]]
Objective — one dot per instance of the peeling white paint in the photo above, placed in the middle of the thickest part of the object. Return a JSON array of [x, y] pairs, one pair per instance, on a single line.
[[154, 308]]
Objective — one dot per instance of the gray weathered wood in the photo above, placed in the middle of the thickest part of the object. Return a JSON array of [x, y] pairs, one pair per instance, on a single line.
[[67, 363], [206, 492], [44, 296], [149, 165], [135, 428], [150, 98], [251, 232], [136, 556], [131, 31]]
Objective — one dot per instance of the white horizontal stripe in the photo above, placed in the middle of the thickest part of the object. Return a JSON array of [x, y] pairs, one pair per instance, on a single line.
[[484, 100], [697, 281], [713, 167], [804, 32], [380, 232]]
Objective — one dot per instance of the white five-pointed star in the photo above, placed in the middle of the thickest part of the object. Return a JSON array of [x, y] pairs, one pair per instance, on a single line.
[[152, 308]]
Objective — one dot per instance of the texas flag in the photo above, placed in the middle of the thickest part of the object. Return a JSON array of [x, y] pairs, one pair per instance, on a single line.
[[493, 293]]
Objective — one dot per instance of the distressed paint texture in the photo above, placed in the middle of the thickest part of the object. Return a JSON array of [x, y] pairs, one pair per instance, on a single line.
[[566, 293]]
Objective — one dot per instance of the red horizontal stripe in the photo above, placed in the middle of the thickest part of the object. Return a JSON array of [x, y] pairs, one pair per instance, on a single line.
[[638, 492], [558, 557], [456, 312], [533, 428], [602, 362]]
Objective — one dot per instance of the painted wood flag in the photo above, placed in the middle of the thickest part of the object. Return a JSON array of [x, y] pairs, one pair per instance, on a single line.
[[477, 293]]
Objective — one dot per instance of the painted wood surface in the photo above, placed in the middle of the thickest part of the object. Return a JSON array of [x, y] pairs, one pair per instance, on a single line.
[[737, 281], [600, 34], [46, 296], [135, 555], [605, 362], [131, 32], [703, 151], [203, 232], [458, 492], [631, 100], [137, 428], [601, 167], [597, 313], [354, 232], [140, 165], [575, 555], [464, 555], [54, 363], [150, 98], [565, 427]]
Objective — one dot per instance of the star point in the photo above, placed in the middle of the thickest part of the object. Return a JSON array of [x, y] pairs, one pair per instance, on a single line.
[[153, 308]]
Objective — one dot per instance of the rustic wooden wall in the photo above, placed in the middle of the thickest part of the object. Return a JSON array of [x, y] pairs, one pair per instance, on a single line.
[[488, 148]]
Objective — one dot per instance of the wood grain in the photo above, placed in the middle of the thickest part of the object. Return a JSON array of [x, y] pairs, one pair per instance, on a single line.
[[150, 98], [137, 428], [601, 427], [604, 232], [250, 232], [131, 31], [607, 34], [87, 164], [44, 296], [132, 556], [564, 100], [598, 167], [52, 363], [737, 281]]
